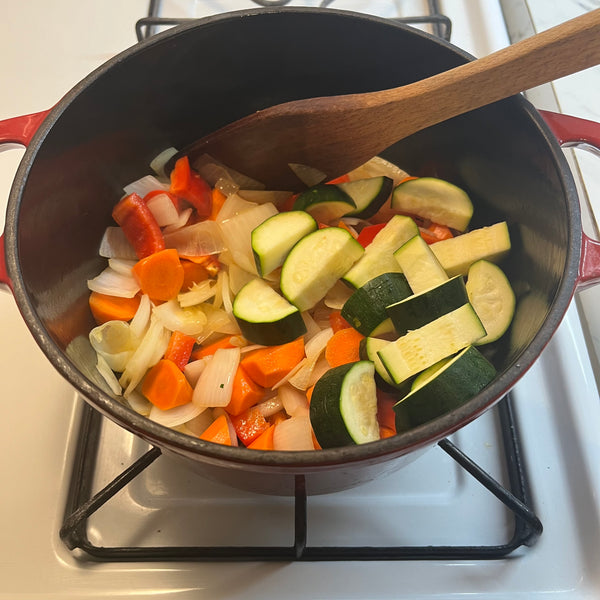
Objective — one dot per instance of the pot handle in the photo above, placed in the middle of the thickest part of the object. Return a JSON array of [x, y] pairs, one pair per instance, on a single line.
[[574, 132], [18, 130]]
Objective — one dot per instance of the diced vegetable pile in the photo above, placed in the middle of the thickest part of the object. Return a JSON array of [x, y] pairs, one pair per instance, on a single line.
[[341, 315]]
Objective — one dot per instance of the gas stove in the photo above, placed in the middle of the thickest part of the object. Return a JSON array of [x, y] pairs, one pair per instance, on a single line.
[[439, 526]]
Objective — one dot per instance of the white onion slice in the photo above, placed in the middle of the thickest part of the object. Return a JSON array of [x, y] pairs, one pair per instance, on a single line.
[[293, 401], [276, 197], [193, 370], [294, 433], [184, 217], [317, 343], [139, 323], [114, 284], [234, 205], [238, 277], [144, 185], [108, 375], [321, 367], [212, 170], [220, 321], [336, 297], [175, 416], [139, 403], [200, 423], [226, 186], [115, 343], [163, 210], [198, 293], [201, 239], [312, 327], [216, 381], [377, 166], [157, 164], [115, 244], [191, 320], [122, 266], [309, 176], [270, 406], [223, 279]]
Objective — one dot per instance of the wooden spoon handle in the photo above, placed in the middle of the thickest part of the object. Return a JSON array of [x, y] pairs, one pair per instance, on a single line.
[[552, 54]]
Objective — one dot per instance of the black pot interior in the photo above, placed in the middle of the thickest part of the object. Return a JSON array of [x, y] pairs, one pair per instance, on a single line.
[[184, 84]]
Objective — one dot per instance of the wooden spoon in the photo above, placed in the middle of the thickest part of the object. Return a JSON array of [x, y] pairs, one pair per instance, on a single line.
[[338, 133]]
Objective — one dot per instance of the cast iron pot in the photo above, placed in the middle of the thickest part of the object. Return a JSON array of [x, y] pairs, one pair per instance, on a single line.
[[189, 81]]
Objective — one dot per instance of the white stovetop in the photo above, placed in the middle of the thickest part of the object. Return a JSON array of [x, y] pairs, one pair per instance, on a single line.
[[46, 49]]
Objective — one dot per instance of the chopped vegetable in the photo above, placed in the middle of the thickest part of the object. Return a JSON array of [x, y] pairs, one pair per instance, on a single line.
[[109, 308], [188, 185], [249, 425], [245, 393], [218, 432], [166, 386], [343, 347], [265, 440], [268, 365], [160, 275], [180, 348]]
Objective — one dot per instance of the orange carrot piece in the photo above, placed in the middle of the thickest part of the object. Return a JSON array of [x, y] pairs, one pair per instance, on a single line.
[[180, 348], [343, 347], [160, 275], [267, 366], [249, 425], [435, 233], [112, 308], [343, 225], [166, 386], [315, 441], [309, 393], [245, 393], [218, 432], [193, 272], [340, 179], [337, 322], [264, 441], [210, 349], [218, 199], [386, 432]]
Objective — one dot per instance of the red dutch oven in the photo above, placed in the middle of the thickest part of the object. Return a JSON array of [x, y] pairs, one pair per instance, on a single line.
[[188, 81]]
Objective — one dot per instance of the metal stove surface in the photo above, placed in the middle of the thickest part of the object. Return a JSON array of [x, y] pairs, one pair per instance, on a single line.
[[428, 502]]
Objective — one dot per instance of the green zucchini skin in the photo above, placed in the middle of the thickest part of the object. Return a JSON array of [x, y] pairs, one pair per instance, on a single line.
[[332, 396], [264, 317], [366, 311], [418, 310], [459, 380], [325, 202], [369, 195]]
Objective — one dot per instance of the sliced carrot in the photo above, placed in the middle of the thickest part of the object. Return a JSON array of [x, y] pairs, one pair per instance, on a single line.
[[435, 233], [166, 386], [218, 199], [340, 179], [309, 392], [264, 441], [210, 263], [249, 425], [343, 347], [268, 365], [245, 393], [180, 348], [337, 322], [139, 225], [218, 432], [193, 272], [315, 441], [407, 178], [160, 275], [210, 349], [112, 308]]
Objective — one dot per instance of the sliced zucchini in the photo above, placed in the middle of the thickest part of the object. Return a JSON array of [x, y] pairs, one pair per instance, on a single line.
[[457, 254], [379, 254], [419, 349], [451, 384], [492, 297], [264, 317], [434, 199], [273, 239], [369, 348], [419, 309], [419, 264], [315, 263], [365, 310], [369, 194], [343, 406], [327, 203]]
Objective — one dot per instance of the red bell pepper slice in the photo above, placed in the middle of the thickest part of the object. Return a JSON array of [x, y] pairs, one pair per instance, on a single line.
[[191, 187], [367, 235], [435, 233], [249, 425], [139, 225]]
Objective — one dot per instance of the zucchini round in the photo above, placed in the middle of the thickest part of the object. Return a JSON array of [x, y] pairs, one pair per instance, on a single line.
[[343, 406], [327, 203], [369, 194], [264, 317]]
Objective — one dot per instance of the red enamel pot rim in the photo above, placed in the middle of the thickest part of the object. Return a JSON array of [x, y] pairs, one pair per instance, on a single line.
[[289, 461]]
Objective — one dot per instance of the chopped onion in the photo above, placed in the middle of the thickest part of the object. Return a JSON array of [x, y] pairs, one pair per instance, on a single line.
[[223, 279], [216, 381], [175, 416], [115, 343], [199, 292], [336, 297], [201, 239], [304, 377], [191, 320], [184, 217], [149, 352], [377, 166], [294, 433], [212, 170], [238, 277], [234, 205], [200, 423], [220, 321], [321, 367], [217, 412], [263, 196], [122, 266], [270, 406], [237, 234], [315, 346], [108, 375], [291, 374], [227, 186], [114, 244], [193, 370], [144, 185], [139, 403], [293, 401], [312, 328], [157, 164], [140, 320], [112, 283], [309, 176], [163, 210]]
